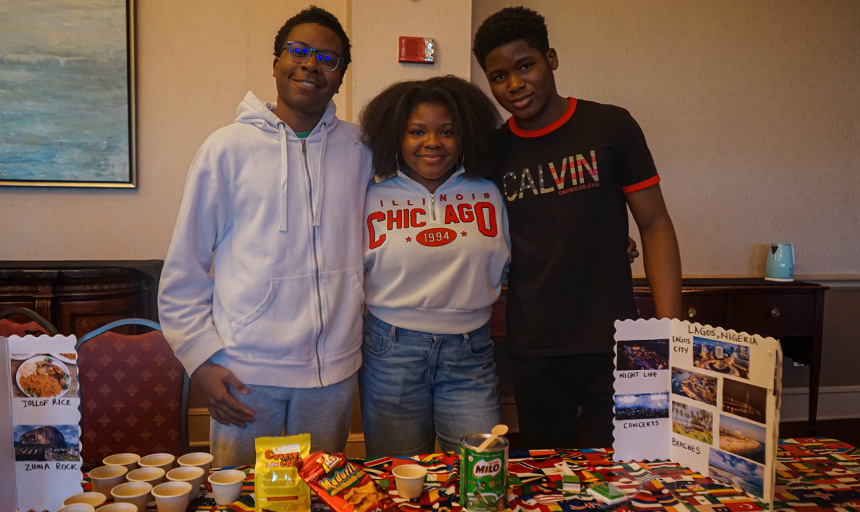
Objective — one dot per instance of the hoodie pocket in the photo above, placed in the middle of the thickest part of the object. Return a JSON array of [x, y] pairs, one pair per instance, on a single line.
[[342, 298], [284, 325]]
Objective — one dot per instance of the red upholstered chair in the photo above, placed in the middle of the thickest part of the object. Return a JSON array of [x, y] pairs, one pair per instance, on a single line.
[[134, 393], [34, 323]]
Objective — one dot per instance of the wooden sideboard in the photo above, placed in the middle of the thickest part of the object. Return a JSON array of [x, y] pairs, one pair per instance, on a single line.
[[793, 313], [79, 296], [790, 312]]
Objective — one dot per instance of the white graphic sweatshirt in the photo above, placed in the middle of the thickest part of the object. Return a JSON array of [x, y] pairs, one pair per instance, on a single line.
[[434, 262]]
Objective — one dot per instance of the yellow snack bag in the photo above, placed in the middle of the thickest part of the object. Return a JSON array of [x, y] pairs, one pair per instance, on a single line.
[[277, 484]]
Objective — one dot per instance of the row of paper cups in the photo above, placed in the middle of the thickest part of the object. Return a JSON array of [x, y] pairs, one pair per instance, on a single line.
[[129, 478], [151, 469]]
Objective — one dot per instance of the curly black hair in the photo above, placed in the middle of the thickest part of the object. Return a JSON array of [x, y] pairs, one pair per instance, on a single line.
[[314, 14], [383, 122], [509, 25]]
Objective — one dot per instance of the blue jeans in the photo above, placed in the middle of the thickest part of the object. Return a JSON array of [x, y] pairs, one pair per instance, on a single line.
[[416, 385], [324, 413]]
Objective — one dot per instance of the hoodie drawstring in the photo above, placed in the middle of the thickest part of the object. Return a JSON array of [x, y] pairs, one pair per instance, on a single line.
[[284, 175], [320, 191]]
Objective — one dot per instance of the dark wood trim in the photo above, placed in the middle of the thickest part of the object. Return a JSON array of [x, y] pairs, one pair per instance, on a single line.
[[78, 296], [790, 312]]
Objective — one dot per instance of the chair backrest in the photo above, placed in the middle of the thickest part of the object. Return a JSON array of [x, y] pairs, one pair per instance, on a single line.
[[36, 324], [134, 393]]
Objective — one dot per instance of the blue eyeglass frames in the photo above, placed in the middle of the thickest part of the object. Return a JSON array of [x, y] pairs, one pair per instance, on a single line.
[[300, 52]]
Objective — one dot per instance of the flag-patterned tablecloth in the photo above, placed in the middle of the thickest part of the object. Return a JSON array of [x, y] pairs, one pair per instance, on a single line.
[[813, 474]]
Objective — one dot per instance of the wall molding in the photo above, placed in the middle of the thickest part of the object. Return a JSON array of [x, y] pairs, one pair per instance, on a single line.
[[834, 281], [840, 282], [834, 403]]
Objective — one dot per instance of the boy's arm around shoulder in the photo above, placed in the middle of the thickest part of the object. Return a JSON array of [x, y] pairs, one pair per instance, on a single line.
[[661, 256]]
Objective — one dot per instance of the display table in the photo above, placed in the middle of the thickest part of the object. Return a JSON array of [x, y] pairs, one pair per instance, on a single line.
[[813, 474]]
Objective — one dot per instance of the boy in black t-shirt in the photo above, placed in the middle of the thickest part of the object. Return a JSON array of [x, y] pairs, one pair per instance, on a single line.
[[568, 171]]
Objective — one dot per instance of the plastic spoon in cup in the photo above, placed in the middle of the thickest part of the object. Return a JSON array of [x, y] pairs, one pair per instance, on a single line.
[[498, 430]]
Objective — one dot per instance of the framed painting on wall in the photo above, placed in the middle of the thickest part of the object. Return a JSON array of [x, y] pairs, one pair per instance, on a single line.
[[67, 109]]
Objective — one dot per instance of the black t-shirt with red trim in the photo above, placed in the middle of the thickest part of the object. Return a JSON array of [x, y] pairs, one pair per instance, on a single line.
[[564, 187]]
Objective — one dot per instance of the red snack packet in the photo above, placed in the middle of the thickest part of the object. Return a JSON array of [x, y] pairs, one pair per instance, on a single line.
[[343, 486]]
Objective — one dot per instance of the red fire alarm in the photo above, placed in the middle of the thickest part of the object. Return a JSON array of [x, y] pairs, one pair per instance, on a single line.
[[417, 49]]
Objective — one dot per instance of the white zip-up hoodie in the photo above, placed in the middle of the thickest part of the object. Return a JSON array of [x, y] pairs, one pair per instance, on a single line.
[[283, 218]]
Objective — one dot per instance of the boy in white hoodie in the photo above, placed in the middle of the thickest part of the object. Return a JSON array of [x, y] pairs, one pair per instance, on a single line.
[[272, 204]]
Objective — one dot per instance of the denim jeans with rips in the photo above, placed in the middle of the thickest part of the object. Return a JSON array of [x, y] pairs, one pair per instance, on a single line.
[[415, 386]]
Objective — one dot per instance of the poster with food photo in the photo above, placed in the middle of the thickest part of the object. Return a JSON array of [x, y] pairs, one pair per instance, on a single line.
[[45, 375], [44, 401], [723, 390]]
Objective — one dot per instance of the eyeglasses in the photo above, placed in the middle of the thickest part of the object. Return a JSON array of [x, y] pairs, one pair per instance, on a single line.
[[300, 52]]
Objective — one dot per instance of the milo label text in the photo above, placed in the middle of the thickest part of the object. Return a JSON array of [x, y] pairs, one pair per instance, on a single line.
[[483, 476]]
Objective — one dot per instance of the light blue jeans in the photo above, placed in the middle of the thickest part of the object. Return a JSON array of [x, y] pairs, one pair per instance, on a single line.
[[324, 413], [416, 386]]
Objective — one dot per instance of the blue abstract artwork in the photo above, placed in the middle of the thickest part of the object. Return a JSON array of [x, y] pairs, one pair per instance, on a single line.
[[66, 98]]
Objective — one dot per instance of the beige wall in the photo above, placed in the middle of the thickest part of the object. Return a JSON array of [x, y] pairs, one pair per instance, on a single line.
[[196, 59], [376, 26], [750, 109]]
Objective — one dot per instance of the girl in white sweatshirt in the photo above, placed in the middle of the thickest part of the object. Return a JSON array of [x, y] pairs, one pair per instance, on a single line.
[[436, 247]]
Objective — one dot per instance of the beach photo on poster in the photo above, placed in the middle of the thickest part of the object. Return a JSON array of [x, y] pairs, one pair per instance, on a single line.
[[732, 470], [47, 442], [693, 422], [642, 406], [743, 438], [743, 399], [694, 385], [721, 357], [643, 355]]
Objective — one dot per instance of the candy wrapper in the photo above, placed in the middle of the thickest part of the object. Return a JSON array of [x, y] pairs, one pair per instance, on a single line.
[[343, 486], [277, 485]]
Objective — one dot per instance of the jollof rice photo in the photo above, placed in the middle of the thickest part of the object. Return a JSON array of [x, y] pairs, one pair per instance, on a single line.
[[41, 385]]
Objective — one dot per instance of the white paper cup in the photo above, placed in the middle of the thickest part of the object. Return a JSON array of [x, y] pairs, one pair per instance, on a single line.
[[157, 460], [119, 506], [191, 474], [172, 496], [96, 499], [153, 476], [197, 459], [77, 507], [409, 479], [227, 485], [105, 478], [129, 460], [136, 493]]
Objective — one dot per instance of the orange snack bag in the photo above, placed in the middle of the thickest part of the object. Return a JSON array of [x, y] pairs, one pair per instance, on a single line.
[[343, 486]]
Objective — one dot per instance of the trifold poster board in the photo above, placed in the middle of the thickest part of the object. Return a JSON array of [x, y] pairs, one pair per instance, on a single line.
[[41, 448], [702, 396]]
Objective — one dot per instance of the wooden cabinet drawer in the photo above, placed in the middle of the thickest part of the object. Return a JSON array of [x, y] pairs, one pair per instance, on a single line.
[[645, 306], [704, 309], [701, 308], [774, 315]]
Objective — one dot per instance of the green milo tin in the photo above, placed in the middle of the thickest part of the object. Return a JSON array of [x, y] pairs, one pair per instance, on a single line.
[[483, 476]]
